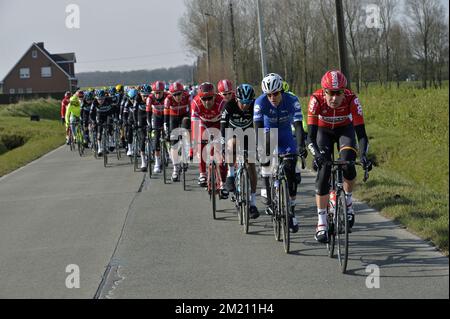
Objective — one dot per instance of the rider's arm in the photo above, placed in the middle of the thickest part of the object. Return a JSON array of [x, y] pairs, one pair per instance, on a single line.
[[299, 134], [224, 121], [68, 111], [358, 123], [363, 141], [313, 126], [92, 113]]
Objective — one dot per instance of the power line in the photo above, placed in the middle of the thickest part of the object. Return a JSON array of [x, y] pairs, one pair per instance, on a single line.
[[132, 57]]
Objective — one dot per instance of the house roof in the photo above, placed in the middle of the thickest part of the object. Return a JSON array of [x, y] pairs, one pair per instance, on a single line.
[[57, 59]]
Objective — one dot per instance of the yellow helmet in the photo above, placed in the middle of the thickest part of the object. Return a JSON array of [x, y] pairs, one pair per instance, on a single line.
[[119, 88]]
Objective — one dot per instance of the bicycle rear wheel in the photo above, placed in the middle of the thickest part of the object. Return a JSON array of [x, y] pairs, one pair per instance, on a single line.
[[149, 154], [117, 141], [342, 231], [245, 198], [331, 234], [284, 214], [164, 161], [105, 147]]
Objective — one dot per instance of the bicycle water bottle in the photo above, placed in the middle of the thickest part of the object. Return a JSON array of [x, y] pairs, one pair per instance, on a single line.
[[332, 202]]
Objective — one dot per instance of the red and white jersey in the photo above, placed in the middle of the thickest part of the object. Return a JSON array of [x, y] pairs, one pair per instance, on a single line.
[[156, 106], [322, 115], [206, 116], [173, 108]]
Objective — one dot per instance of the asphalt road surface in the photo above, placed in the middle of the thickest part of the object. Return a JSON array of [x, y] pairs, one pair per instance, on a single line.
[[71, 228]]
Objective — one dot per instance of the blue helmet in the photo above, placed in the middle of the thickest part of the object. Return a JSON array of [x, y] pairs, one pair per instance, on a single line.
[[245, 94], [88, 96], [100, 94], [146, 89], [112, 91], [132, 94]]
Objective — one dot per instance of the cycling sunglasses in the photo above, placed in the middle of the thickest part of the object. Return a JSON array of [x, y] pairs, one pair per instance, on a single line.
[[274, 94], [208, 98], [334, 93]]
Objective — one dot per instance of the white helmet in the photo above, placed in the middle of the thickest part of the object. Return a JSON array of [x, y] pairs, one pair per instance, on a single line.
[[271, 83]]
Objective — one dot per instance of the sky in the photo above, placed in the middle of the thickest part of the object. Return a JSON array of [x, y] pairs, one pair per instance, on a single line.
[[112, 35]]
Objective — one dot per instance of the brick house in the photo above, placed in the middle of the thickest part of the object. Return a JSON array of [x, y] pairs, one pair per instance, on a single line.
[[38, 71]]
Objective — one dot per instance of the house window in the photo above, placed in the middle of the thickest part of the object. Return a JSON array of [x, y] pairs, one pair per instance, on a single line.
[[24, 73], [46, 72], [34, 54], [12, 91], [29, 90], [20, 91]]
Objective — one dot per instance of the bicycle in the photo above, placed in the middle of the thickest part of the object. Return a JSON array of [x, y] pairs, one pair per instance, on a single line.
[[338, 220], [93, 139], [71, 140], [135, 147], [105, 138], [241, 196], [213, 179], [164, 155], [79, 137], [279, 207], [117, 135], [149, 152]]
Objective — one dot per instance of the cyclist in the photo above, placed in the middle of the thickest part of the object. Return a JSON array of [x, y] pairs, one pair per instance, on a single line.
[[225, 88], [101, 112], [86, 103], [334, 115], [238, 114], [72, 115], [129, 117], [276, 109], [65, 101], [140, 107], [206, 112], [176, 114], [155, 118]]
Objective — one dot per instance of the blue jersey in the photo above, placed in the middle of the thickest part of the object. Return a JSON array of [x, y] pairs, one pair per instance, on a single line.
[[281, 117]]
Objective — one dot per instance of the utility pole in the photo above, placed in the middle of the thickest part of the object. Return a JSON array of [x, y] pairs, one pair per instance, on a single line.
[[208, 57], [343, 59], [222, 54], [233, 42], [261, 39]]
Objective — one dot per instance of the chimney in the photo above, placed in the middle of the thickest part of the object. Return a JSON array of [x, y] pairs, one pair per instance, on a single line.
[[40, 44]]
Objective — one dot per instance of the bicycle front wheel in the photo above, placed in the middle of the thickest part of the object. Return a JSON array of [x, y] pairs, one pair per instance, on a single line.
[[213, 188], [276, 220], [105, 147], [245, 192], [342, 231], [284, 213]]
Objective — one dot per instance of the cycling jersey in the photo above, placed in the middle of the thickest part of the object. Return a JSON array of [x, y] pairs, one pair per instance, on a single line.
[[322, 115], [234, 117], [64, 104], [72, 113], [173, 108], [281, 117], [156, 106]]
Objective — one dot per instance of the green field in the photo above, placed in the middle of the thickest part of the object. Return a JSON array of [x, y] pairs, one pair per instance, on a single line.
[[408, 131], [22, 140]]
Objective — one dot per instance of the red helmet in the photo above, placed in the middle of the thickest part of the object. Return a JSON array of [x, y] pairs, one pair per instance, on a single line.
[[176, 87], [224, 86], [158, 86], [206, 89], [334, 80]]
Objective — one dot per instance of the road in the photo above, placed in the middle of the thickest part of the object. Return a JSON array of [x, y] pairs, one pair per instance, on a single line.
[[134, 237]]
